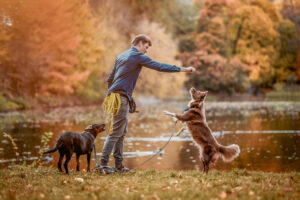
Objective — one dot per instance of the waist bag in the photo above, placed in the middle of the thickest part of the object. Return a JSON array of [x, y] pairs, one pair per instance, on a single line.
[[132, 104]]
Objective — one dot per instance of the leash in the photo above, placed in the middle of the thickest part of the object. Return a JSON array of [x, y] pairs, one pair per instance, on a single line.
[[95, 155], [160, 150]]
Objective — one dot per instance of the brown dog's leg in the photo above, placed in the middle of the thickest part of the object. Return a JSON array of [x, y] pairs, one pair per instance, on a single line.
[[77, 162], [88, 159], [68, 158], [61, 156]]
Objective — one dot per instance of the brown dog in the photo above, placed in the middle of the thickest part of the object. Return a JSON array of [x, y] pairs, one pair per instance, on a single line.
[[69, 143], [210, 150]]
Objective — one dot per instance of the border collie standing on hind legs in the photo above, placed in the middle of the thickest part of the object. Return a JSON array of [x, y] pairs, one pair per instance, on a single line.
[[209, 148]]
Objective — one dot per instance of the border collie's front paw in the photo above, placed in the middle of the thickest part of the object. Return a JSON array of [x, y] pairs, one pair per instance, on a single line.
[[174, 119], [169, 113]]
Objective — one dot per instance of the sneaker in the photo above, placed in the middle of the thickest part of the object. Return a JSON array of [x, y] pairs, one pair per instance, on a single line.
[[122, 169], [105, 169]]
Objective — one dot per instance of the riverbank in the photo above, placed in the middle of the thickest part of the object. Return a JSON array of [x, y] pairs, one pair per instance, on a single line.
[[47, 183], [42, 103], [90, 114]]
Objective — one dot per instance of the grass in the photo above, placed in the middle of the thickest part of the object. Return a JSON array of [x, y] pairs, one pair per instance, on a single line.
[[21, 182], [283, 96]]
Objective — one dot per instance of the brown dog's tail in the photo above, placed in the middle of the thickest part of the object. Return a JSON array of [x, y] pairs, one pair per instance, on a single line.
[[58, 144], [228, 153], [51, 150]]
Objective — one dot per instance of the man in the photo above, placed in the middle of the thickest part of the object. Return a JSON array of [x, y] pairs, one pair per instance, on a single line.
[[122, 81]]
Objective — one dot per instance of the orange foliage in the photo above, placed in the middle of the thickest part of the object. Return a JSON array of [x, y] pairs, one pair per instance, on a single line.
[[49, 46], [246, 31]]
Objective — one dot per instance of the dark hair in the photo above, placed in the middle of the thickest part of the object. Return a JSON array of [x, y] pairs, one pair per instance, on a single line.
[[141, 37]]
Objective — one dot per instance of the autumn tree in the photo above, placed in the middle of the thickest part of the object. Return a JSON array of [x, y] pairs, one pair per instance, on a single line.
[[4, 38], [217, 71], [51, 49], [289, 44], [255, 40], [289, 29], [252, 32]]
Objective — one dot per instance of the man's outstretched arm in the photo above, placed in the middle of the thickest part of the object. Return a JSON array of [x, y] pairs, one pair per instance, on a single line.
[[162, 67]]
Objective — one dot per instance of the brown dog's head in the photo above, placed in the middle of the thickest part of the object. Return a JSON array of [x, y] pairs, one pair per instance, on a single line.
[[95, 129], [197, 96]]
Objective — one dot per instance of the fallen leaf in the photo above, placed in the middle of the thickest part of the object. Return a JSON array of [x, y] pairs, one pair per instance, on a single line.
[[196, 181], [29, 187], [292, 178], [79, 180], [239, 188], [288, 189], [154, 197], [166, 188], [223, 195]]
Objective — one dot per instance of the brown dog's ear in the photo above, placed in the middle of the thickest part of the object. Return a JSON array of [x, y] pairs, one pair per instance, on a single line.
[[88, 128]]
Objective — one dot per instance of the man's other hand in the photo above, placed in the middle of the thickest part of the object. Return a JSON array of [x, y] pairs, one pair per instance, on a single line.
[[188, 69]]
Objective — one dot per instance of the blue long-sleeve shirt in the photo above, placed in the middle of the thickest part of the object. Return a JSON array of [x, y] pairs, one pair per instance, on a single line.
[[127, 68]]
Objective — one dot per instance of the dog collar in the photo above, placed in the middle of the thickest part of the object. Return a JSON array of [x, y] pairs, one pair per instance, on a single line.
[[91, 135], [190, 108]]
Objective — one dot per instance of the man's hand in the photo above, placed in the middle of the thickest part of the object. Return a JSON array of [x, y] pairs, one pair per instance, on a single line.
[[187, 69]]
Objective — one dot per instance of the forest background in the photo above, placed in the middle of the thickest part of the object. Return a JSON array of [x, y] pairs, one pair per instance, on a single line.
[[59, 53]]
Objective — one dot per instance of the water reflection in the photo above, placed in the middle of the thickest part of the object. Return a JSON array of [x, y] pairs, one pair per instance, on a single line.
[[267, 133]]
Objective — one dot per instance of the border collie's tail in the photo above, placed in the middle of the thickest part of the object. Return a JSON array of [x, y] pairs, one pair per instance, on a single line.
[[228, 153], [58, 144]]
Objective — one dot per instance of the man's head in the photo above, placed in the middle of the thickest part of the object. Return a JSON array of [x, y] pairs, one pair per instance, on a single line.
[[142, 43]]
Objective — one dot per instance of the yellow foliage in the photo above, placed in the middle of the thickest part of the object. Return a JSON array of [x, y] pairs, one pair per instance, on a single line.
[[269, 8], [257, 42]]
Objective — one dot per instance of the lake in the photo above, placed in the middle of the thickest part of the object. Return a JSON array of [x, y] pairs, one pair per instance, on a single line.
[[268, 134]]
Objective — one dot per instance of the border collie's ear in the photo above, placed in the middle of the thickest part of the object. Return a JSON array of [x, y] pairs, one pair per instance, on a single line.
[[192, 90], [88, 128]]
